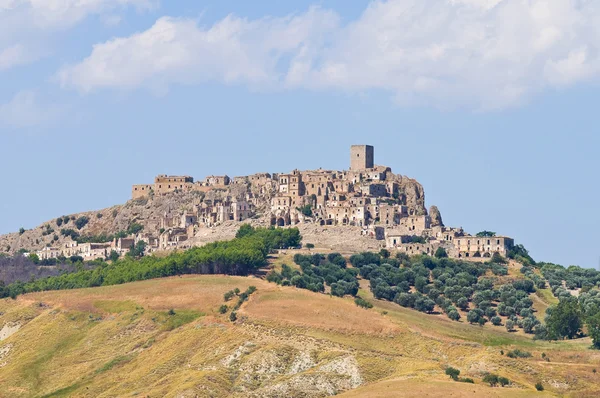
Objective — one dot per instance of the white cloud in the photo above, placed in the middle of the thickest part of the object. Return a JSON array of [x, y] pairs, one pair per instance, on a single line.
[[447, 53], [26, 26], [25, 110], [13, 56]]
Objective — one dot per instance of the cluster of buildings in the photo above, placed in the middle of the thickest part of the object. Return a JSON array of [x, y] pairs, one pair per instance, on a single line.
[[89, 251], [385, 206]]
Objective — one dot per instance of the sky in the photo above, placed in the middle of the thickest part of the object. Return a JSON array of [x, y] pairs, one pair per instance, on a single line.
[[490, 104]]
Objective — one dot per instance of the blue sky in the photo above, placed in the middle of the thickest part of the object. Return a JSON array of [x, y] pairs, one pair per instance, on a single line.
[[490, 104]]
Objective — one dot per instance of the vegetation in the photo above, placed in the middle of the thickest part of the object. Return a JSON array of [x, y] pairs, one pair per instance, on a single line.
[[317, 271], [236, 257], [82, 222], [362, 303], [424, 283], [485, 234], [453, 373], [539, 386], [518, 354]]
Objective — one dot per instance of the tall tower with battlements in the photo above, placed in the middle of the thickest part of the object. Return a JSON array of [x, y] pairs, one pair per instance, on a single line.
[[361, 157]]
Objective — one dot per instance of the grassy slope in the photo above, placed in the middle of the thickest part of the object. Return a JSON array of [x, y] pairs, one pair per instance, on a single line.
[[121, 341]]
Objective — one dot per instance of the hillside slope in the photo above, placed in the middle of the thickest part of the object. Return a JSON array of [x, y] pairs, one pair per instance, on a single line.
[[124, 341]]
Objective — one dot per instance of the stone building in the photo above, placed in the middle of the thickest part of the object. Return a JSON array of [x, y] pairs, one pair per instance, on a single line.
[[361, 157], [387, 206], [474, 246]]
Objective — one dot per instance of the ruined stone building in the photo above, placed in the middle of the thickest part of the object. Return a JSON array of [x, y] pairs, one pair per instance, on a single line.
[[387, 206]]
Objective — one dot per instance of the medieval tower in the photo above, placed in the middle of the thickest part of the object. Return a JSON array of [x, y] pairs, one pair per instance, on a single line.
[[361, 157]]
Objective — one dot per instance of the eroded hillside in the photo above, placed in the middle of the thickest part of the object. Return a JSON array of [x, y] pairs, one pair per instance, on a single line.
[[124, 341]]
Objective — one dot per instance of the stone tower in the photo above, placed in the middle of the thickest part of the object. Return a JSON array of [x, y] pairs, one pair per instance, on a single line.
[[361, 157]]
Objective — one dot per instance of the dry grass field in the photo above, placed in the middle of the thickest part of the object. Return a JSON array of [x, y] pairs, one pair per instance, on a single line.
[[124, 341]]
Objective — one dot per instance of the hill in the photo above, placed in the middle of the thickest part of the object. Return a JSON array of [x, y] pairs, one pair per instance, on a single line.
[[167, 337]]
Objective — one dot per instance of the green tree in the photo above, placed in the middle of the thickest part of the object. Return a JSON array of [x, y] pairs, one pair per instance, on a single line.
[[81, 222], [486, 234], [593, 326], [244, 230], [491, 378], [113, 256], [138, 249], [21, 231], [564, 320], [34, 258], [441, 253], [510, 325], [539, 386], [503, 381], [452, 372], [384, 253], [454, 315]]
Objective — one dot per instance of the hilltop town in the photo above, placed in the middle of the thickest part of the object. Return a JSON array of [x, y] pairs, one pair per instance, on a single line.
[[367, 204]]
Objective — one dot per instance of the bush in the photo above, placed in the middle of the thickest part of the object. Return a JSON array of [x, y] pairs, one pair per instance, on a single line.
[[229, 295], [134, 228], [441, 253], [510, 325], [21, 231], [454, 315], [491, 378], [503, 381], [498, 259], [223, 309], [452, 372], [518, 354], [233, 316], [81, 222], [310, 246], [466, 380], [539, 386], [496, 321], [359, 301]]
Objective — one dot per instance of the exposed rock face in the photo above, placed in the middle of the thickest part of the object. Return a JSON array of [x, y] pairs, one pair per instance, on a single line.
[[412, 193], [436, 217]]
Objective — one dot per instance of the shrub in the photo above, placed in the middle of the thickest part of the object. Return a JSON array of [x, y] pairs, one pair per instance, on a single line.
[[134, 228], [496, 321], [441, 253], [171, 312], [81, 222], [539, 386], [503, 381], [310, 246], [510, 325], [452, 372], [466, 380], [227, 296], [518, 354], [359, 301], [233, 316], [223, 309], [21, 231], [99, 215], [454, 315], [498, 259], [491, 378]]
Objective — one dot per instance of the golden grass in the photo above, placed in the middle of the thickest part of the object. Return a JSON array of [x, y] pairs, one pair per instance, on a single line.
[[122, 341]]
